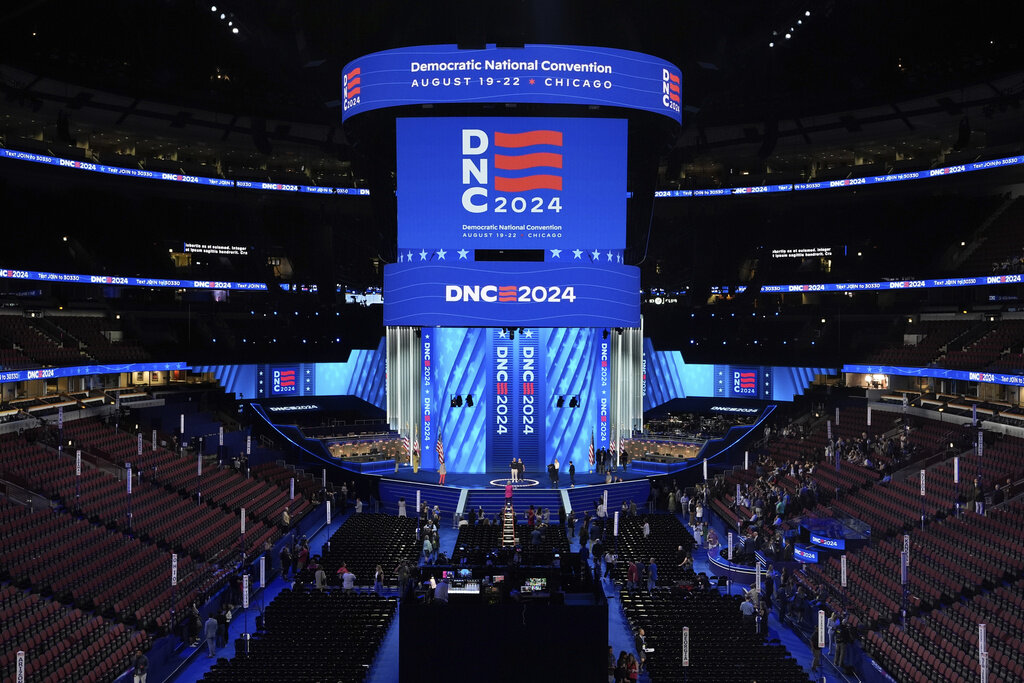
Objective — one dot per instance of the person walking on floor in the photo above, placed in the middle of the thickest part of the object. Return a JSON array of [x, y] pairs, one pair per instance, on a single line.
[[378, 580], [816, 650], [140, 664], [210, 634]]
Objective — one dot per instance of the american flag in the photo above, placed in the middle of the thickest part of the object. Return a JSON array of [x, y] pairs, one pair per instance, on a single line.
[[440, 450], [407, 445], [591, 454]]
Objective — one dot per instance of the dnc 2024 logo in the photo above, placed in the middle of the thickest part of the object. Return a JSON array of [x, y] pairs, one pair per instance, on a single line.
[[522, 164]]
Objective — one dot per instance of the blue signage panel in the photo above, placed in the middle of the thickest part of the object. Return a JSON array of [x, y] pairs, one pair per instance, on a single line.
[[63, 278], [895, 284], [539, 74], [515, 183], [828, 542], [80, 370], [938, 373], [519, 294], [805, 553]]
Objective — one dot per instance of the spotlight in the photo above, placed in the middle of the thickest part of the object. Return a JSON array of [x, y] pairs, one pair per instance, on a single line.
[[604, 334], [560, 402], [213, 8], [235, 30], [458, 401], [788, 36], [452, 403], [807, 13], [574, 402], [469, 400], [223, 16]]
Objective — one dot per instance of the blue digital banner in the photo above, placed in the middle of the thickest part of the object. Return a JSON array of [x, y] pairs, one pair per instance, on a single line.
[[603, 375], [828, 542], [805, 553], [530, 407], [355, 191], [938, 373], [894, 284], [173, 177], [504, 294], [500, 442], [514, 183], [80, 370], [64, 278], [459, 368], [538, 74], [427, 394]]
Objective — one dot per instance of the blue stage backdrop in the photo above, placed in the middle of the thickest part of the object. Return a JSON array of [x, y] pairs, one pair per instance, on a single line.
[[515, 382], [667, 376], [362, 375]]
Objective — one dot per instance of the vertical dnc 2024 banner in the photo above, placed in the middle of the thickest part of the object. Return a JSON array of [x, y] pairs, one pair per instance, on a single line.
[[515, 183]]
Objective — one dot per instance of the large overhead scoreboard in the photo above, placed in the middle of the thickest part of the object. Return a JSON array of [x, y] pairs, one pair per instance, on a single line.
[[511, 238]]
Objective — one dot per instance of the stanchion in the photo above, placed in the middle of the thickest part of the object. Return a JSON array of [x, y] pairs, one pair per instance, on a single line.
[[956, 483], [842, 577], [128, 476], [174, 587], [922, 501], [686, 652], [19, 675], [242, 565], [905, 580], [78, 479], [982, 653], [199, 477], [245, 607]]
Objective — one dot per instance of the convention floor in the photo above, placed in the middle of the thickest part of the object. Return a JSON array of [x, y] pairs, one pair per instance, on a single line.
[[385, 668]]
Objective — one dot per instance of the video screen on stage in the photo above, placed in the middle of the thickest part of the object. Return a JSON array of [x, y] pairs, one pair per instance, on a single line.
[[542, 74], [567, 292], [511, 183]]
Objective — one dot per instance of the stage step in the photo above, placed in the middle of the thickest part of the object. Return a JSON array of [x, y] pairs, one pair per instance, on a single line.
[[445, 497]]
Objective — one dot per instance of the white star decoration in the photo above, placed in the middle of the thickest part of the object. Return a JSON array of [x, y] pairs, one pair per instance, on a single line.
[[462, 254], [577, 253], [409, 257], [528, 334], [502, 334], [609, 256], [441, 253], [401, 257], [423, 255], [618, 257], [596, 254], [556, 253]]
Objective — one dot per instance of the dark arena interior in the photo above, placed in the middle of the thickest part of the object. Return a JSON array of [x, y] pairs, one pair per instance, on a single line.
[[528, 341]]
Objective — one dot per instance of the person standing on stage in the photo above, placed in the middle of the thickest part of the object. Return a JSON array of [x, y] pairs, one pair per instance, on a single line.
[[514, 470], [521, 469], [572, 474], [441, 470], [556, 473]]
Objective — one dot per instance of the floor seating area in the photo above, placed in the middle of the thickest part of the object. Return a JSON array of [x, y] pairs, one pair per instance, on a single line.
[[312, 636], [62, 644], [95, 568], [723, 647], [365, 540], [667, 534]]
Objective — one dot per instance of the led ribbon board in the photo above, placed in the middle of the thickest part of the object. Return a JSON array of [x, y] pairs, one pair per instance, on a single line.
[[536, 74], [512, 183], [511, 294]]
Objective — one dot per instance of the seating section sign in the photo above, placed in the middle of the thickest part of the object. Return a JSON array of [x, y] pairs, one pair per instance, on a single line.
[[538, 74], [512, 183]]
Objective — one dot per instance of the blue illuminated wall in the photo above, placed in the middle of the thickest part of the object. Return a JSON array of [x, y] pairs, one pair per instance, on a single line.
[[362, 375], [571, 370], [459, 362], [668, 376]]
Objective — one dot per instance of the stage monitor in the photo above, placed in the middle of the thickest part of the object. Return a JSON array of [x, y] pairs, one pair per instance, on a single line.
[[498, 578], [447, 574], [511, 183], [537, 584]]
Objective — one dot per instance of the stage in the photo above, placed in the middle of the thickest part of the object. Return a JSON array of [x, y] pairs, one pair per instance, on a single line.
[[494, 480], [464, 492]]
